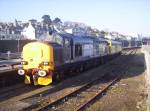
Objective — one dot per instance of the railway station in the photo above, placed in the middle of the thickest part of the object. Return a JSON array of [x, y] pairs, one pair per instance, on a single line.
[[78, 56]]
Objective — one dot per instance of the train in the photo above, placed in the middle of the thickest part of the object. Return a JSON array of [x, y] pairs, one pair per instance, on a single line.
[[44, 61]]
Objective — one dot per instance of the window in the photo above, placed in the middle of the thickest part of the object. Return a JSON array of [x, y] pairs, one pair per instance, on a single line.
[[78, 50]]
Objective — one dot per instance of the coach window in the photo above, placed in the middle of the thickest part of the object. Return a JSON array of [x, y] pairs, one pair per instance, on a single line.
[[78, 50]]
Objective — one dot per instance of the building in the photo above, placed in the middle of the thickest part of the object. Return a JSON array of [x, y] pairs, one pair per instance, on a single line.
[[29, 32]]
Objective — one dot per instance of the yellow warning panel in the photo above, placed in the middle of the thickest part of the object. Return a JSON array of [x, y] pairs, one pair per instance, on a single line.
[[45, 80]]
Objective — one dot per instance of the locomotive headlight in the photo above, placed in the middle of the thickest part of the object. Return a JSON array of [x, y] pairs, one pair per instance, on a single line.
[[24, 62], [21, 72], [45, 63], [42, 73]]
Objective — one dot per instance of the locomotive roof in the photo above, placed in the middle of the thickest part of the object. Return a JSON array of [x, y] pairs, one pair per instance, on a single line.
[[77, 39], [50, 43], [66, 35], [82, 38], [116, 42]]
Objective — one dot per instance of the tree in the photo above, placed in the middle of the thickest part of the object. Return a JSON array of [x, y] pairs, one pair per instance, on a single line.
[[103, 32], [47, 19], [57, 20]]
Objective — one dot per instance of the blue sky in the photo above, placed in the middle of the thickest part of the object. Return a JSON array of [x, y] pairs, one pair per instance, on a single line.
[[124, 16]]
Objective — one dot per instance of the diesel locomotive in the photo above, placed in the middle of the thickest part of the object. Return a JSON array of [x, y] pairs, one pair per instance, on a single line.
[[44, 61]]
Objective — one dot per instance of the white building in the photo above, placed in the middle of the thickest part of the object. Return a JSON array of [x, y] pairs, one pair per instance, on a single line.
[[29, 32], [70, 31], [108, 36]]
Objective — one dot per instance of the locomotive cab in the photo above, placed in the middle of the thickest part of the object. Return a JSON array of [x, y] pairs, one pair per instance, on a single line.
[[38, 63]]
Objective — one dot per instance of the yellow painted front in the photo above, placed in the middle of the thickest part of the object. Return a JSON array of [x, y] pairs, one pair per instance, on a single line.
[[39, 81], [44, 80], [35, 53]]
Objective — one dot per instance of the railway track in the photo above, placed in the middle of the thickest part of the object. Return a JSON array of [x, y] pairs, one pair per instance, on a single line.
[[91, 91], [14, 91], [20, 92]]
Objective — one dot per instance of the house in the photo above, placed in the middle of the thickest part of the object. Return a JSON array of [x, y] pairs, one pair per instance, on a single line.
[[29, 32]]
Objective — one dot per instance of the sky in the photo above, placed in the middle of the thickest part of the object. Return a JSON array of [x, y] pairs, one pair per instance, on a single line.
[[129, 17]]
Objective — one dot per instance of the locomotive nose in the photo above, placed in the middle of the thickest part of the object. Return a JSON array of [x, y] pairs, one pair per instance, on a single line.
[[38, 63]]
